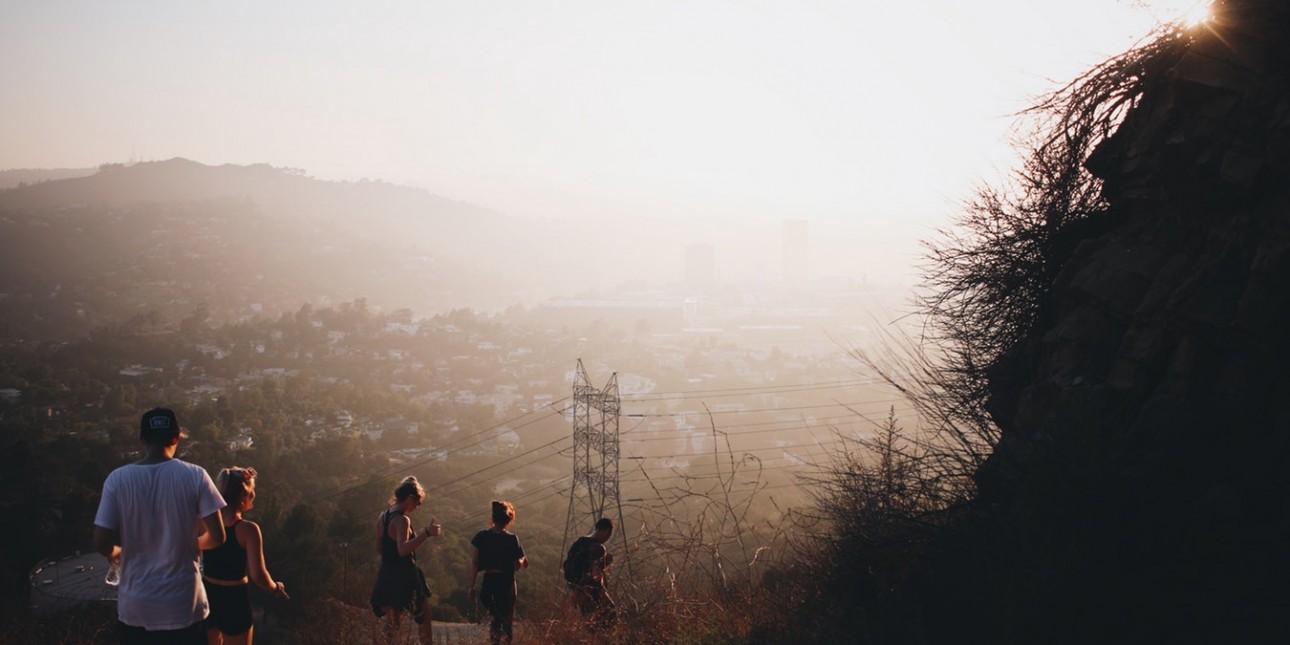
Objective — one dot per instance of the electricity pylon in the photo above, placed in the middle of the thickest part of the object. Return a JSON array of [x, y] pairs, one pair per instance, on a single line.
[[594, 492]]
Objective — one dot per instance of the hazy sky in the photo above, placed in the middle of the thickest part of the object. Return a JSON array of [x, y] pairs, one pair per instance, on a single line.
[[864, 111]]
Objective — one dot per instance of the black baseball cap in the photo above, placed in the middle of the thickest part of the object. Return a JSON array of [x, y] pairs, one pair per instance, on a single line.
[[160, 423]]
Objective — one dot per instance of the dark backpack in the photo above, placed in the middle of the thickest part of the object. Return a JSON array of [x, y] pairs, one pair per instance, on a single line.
[[576, 564]]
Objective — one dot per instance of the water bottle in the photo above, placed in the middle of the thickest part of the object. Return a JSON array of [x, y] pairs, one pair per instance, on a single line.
[[113, 577]]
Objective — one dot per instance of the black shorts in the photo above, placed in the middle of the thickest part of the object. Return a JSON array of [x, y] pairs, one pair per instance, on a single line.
[[400, 586], [497, 594], [193, 634], [230, 609]]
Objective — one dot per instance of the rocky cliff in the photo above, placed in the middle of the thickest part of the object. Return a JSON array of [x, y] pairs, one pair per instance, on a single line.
[[1144, 465]]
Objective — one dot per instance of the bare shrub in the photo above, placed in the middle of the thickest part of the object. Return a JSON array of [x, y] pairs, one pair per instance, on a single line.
[[987, 279], [89, 623], [692, 570], [897, 542]]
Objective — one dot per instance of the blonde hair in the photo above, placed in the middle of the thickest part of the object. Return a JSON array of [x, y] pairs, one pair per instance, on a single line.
[[407, 488], [234, 483]]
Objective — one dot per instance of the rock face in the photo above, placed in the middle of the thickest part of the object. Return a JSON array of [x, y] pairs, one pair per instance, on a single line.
[[1146, 432]]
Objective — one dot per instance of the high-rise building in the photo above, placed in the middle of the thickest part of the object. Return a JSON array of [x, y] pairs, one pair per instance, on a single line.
[[795, 251], [700, 265]]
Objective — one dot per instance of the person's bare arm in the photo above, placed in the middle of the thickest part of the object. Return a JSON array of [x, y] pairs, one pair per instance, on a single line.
[[253, 541], [212, 534], [474, 574], [107, 542], [400, 529]]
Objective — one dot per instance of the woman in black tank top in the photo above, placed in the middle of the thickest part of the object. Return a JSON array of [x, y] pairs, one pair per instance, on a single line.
[[400, 585], [226, 570]]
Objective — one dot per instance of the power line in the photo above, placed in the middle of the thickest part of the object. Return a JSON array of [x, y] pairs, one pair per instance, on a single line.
[[500, 428], [563, 439], [446, 485], [781, 426], [738, 451], [502, 463], [501, 425], [650, 469], [671, 474], [403, 467], [554, 482], [673, 415], [526, 497], [760, 389]]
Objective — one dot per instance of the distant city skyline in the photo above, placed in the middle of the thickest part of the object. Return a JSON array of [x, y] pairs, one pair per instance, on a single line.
[[700, 265], [796, 258]]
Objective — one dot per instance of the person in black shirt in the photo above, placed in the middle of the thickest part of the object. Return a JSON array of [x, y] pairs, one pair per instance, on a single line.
[[499, 555], [589, 559]]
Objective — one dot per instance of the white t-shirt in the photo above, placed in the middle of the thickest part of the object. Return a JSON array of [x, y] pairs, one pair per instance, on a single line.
[[157, 509]]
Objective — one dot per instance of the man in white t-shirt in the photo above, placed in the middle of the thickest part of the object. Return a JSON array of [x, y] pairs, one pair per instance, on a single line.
[[155, 516]]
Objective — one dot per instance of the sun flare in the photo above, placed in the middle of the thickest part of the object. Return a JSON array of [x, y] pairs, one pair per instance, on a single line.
[[1198, 13], [1185, 13], [1189, 13]]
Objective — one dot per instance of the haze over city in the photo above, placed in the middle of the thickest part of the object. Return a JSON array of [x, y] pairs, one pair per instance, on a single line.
[[703, 122], [851, 335]]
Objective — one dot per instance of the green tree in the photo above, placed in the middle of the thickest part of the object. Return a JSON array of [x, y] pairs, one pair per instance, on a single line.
[[300, 551], [121, 400]]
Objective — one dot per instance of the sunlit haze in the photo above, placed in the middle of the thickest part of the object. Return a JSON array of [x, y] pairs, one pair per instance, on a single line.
[[644, 321], [870, 120]]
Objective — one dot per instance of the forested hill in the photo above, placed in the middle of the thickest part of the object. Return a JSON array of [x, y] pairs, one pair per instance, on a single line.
[[23, 176], [279, 191], [168, 237]]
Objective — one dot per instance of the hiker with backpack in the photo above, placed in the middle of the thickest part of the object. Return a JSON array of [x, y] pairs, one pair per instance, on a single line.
[[584, 573]]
